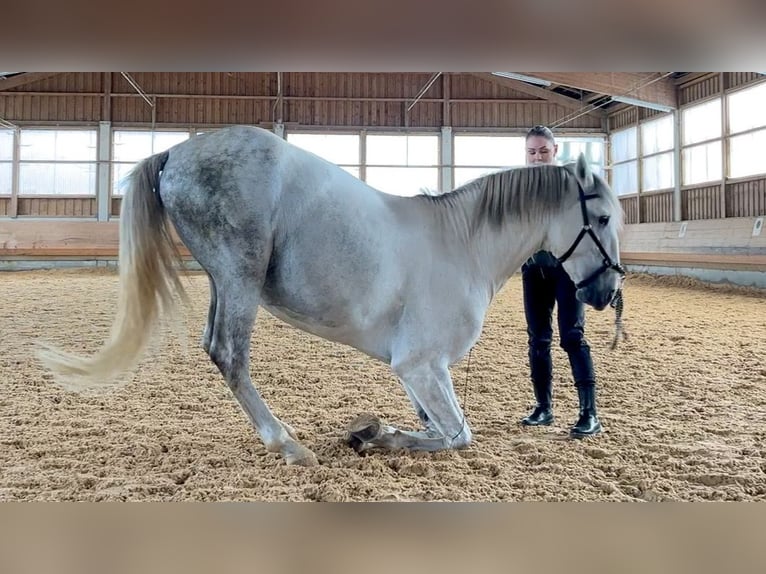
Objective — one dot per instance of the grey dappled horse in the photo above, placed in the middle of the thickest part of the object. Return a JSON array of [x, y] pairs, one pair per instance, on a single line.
[[405, 280]]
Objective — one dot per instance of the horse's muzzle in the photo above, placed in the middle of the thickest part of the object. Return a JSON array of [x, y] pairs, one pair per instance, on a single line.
[[597, 298]]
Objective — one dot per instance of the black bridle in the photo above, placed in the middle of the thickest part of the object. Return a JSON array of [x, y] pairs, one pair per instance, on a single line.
[[587, 229]]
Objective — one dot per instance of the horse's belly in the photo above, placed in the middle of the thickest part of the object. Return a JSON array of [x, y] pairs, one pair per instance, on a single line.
[[346, 330]]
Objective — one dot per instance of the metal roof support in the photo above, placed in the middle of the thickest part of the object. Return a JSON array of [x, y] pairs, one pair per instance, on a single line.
[[138, 89], [425, 88]]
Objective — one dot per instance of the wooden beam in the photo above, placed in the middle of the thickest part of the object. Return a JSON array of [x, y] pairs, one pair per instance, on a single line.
[[662, 92], [25, 78], [737, 262], [541, 93], [446, 105], [64, 238]]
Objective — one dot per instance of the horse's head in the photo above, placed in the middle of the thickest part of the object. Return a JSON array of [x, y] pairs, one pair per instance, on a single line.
[[585, 236]]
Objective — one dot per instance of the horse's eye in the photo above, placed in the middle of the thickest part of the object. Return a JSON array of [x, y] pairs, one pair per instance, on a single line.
[[603, 220]]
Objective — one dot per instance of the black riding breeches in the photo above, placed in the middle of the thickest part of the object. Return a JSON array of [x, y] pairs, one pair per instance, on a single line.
[[545, 287]]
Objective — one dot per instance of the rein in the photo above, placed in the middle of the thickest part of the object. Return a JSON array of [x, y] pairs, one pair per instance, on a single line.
[[619, 330], [465, 394]]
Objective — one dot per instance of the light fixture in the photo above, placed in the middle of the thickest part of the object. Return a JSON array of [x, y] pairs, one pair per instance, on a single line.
[[522, 78], [642, 103]]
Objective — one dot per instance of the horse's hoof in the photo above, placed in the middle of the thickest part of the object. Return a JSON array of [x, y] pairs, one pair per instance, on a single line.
[[364, 428], [301, 456], [354, 442]]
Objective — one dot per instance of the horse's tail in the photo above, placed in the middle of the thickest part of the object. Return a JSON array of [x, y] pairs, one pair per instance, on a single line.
[[148, 281]]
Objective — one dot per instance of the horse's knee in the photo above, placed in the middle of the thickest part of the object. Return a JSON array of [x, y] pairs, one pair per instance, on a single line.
[[409, 368]]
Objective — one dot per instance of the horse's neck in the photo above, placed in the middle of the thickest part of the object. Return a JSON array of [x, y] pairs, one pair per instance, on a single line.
[[500, 251], [493, 252]]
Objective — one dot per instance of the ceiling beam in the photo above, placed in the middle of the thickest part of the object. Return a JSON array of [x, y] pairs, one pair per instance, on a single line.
[[661, 92], [25, 78], [553, 97]]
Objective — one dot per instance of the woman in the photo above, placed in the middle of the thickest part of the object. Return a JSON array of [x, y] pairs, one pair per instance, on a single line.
[[545, 284]]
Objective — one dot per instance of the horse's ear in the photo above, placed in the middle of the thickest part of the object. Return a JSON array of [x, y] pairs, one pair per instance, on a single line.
[[583, 172]]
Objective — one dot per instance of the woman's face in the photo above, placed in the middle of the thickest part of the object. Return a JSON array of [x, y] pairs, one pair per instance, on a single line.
[[540, 150]]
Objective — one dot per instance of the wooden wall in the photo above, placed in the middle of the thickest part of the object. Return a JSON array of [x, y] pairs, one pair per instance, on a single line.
[[353, 100], [746, 198], [307, 98], [710, 243], [299, 99], [67, 238]]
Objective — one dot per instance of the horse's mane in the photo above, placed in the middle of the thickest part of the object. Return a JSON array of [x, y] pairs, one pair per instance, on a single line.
[[521, 194]]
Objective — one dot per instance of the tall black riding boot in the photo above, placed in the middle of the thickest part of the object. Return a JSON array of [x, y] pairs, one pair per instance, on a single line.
[[543, 413], [587, 424]]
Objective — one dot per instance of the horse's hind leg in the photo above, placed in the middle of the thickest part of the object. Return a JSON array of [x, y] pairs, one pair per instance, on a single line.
[[208, 334], [235, 311]]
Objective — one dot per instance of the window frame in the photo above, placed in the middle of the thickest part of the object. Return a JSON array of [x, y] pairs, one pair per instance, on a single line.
[[18, 165], [114, 163], [683, 147], [731, 134]]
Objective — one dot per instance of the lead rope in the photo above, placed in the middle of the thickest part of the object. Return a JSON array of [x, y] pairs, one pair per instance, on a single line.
[[465, 394], [619, 330]]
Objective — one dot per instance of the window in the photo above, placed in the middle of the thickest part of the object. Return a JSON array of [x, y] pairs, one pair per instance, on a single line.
[[340, 149], [57, 162], [625, 178], [403, 180], [657, 156], [571, 147], [624, 151], [702, 163], [747, 109], [479, 155], [747, 154], [6, 161], [701, 122], [624, 145], [402, 164], [131, 146], [657, 172], [657, 135], [747, 113]]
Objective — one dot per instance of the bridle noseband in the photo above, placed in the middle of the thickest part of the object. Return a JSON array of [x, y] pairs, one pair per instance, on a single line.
[[587, 229]]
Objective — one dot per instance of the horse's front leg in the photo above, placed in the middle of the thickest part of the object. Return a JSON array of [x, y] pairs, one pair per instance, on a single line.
[[422, 415], [430, 388]]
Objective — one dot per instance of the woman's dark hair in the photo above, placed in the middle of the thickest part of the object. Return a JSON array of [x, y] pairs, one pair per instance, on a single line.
[[541, 131]]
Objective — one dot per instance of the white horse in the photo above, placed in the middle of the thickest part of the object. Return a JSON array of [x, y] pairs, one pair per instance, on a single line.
[[406, 280]]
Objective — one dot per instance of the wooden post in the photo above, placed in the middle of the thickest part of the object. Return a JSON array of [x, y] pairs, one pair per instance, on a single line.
[[106, 109], [446, 106], [363, 155], [678, 173], [446, 182], [13, 208], [639, 165], [103, 171], [724, 143]]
